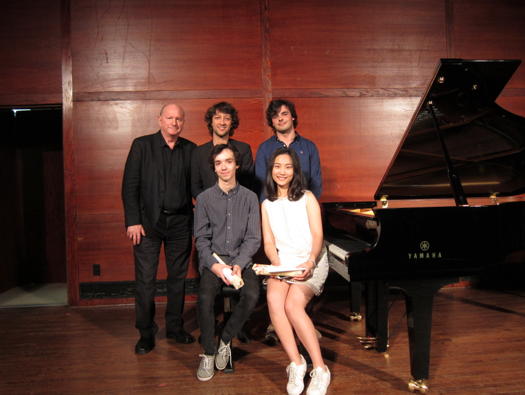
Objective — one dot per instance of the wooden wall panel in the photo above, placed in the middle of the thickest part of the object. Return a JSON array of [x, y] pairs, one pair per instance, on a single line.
[[383, 50], [355, 44], [166, 45], [378, 54], [356, 70], [30, 52], [514, 104], [103, 134], [356, 138], [490, 29]]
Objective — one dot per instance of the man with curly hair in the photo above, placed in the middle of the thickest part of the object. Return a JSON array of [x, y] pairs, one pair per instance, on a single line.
[[222, 119]]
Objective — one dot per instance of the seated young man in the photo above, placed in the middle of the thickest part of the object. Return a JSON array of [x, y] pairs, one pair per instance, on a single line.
[[227, 224]]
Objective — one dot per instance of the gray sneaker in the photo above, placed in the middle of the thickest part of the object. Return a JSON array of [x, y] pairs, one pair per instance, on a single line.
[[224, 355], [206, 370]]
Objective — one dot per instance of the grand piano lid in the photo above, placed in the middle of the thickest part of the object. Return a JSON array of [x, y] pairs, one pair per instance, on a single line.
[[485, 143]]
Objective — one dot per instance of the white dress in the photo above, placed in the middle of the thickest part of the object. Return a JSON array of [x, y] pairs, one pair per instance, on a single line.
[[288, 221]]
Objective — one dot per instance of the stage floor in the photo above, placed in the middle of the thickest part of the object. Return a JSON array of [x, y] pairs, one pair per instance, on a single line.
[[478, 347]]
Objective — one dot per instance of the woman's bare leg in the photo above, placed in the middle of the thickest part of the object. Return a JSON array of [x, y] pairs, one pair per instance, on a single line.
[[297, 298], [276, 295]]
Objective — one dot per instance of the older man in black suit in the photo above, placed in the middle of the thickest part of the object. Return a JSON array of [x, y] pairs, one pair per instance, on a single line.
[[158, 209]]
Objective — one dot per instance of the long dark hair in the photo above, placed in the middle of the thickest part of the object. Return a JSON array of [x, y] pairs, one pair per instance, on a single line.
[[296, 187]]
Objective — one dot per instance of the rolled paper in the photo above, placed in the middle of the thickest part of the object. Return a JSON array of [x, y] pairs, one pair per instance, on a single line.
[[234, 280]]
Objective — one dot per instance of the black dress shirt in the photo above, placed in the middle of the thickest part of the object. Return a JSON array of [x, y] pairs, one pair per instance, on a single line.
[[175, 183]]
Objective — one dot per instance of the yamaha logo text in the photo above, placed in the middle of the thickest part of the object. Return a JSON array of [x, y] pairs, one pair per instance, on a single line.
[[425, 252]]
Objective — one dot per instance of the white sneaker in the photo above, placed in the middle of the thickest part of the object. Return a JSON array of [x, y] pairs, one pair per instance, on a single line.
[[296, 377], [224, 355], [320, 381], [206, 368]]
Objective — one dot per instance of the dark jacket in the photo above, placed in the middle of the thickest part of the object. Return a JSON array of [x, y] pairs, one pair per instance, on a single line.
[[203, 176], [142, 186]]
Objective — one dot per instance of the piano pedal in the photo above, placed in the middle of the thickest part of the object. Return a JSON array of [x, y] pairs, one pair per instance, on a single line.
[[355, 317], [368, 342], [418, 385], [366, 339]]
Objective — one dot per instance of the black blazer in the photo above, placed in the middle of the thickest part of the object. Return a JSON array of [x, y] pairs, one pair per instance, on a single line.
[[142, 189], [202, 175]]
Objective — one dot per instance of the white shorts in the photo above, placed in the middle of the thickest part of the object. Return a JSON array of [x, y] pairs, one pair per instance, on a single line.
[[318, 278]]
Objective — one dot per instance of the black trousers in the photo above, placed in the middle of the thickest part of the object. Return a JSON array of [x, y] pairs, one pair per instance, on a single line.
[[209, 287], [174, 231]]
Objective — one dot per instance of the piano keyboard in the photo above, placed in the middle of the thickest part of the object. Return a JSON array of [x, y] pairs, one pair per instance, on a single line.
[[339, 249], [337, 260]]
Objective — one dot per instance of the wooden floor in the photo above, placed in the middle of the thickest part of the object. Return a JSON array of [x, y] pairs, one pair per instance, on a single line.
[[478, 347]]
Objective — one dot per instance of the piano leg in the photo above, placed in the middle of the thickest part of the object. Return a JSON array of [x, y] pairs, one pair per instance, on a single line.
[[419, 297], [356, 290], [376, 313]]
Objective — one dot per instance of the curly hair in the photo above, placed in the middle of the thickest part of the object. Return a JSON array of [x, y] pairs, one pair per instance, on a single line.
[[297, 185], [225, 108], [275, 106]]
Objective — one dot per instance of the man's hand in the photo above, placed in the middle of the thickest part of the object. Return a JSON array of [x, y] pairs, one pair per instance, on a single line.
[[217, 269], [237, 270], [134, 233]]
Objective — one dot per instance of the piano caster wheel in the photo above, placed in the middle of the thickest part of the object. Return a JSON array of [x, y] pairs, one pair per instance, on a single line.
[[355, 317], [418, 385]]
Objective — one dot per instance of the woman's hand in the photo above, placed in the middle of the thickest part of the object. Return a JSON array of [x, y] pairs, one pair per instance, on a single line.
[[309, 266]]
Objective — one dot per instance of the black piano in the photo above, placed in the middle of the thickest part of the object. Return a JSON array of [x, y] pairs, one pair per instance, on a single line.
[[464, 152]]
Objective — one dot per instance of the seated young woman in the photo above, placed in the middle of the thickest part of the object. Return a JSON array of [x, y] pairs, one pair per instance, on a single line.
[[293, 236]]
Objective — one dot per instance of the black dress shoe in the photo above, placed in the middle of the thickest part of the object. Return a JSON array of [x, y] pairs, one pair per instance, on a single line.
[[145, 345], [243, 337], [271, 339], [180, 336]]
